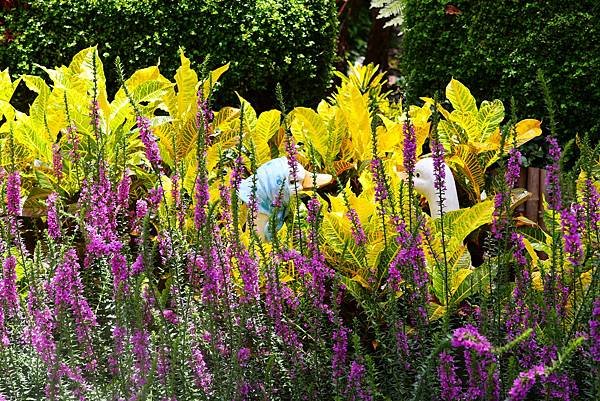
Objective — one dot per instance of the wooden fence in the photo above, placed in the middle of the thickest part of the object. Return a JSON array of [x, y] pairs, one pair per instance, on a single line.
[[533, 180]]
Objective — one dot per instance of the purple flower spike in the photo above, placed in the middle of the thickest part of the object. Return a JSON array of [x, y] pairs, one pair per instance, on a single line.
[[410, 148], [149, 141], [450, 383], [13, 193], [553, 175], [525, 382], [53, 222]]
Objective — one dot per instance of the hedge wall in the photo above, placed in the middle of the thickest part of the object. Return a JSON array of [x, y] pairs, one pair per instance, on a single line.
[[266, 41], [496, 48]]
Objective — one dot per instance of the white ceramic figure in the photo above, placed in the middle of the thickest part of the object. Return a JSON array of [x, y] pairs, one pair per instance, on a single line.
[[423, 180], [274, 179]]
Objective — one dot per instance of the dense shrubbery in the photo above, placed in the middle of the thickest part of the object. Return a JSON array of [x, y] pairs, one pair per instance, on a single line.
[[268, 41], [131, 270], [496, 48]]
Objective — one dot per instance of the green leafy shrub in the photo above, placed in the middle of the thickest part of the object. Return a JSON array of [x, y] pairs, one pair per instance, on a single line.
[[291, 42], [497, 48]]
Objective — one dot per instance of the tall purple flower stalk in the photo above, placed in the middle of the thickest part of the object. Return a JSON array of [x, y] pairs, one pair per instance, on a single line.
[[13, 193], [95, 117], [339, 352], [450, 383], [53, 221], [248, 267], [99, 201], [205, 115], [553, 175], [573, 224], [149, 141], [439, 168], [57, 163], [525, 382], [9, 299], [594, 337], [381, 192], [356, 389], [358, 233], [478, 360], [201, 195], [513, 168], [66, 290], [410, 148]]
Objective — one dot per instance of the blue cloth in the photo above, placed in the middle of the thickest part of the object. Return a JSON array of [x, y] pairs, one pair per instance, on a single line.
[[271, 178]]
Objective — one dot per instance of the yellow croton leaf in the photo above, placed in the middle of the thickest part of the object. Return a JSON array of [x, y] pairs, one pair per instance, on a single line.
[[460, 97], [356, 112]]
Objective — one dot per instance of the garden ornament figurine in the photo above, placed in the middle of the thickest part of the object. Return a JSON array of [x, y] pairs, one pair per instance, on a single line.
[[423, 180], [275, 186]]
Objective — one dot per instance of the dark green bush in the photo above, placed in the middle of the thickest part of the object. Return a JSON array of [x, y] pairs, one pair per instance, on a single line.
[[266, 41], [496, 49]]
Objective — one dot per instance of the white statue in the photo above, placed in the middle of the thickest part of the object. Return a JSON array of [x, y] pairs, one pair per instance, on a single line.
[[423, 180], [275, 184]]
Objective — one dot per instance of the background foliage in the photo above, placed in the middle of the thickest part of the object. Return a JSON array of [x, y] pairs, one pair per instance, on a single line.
[[267, 41], [496, 49]]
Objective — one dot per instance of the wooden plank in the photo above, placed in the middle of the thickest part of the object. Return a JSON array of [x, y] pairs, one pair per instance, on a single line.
[[522, 183]]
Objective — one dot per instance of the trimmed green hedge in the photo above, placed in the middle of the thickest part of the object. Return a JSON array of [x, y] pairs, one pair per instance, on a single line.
[[266, 41], [496, 48]]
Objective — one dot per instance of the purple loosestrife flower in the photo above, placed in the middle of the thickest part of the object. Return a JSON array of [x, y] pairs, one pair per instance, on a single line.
[[478, 359], [165, 247], [593, 202], [339, 352], [236, 173], [53, 221], [119, 334], [205, 115], [469, 338], [8, 286], [95, 117], [525, 382], [243, 356], [9, 300], [138, 265], [573, 223], [99, 201], [249, 272], [356, 390], [176, 195], [439, 169], [39, 332], [163, 364], [358, 233], [73, 139], [202, 196], [123, 190], [513, 169], [553, 175], [149, 141], [66, 290], [140, 341], [518, 248], [155, 195], [312, 218], [292, 158], [120, 274], [594, 337], [559, 387], [202, 376], [13, 193], [410, 148], [450, 383], [57, 164], [381, 193]]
